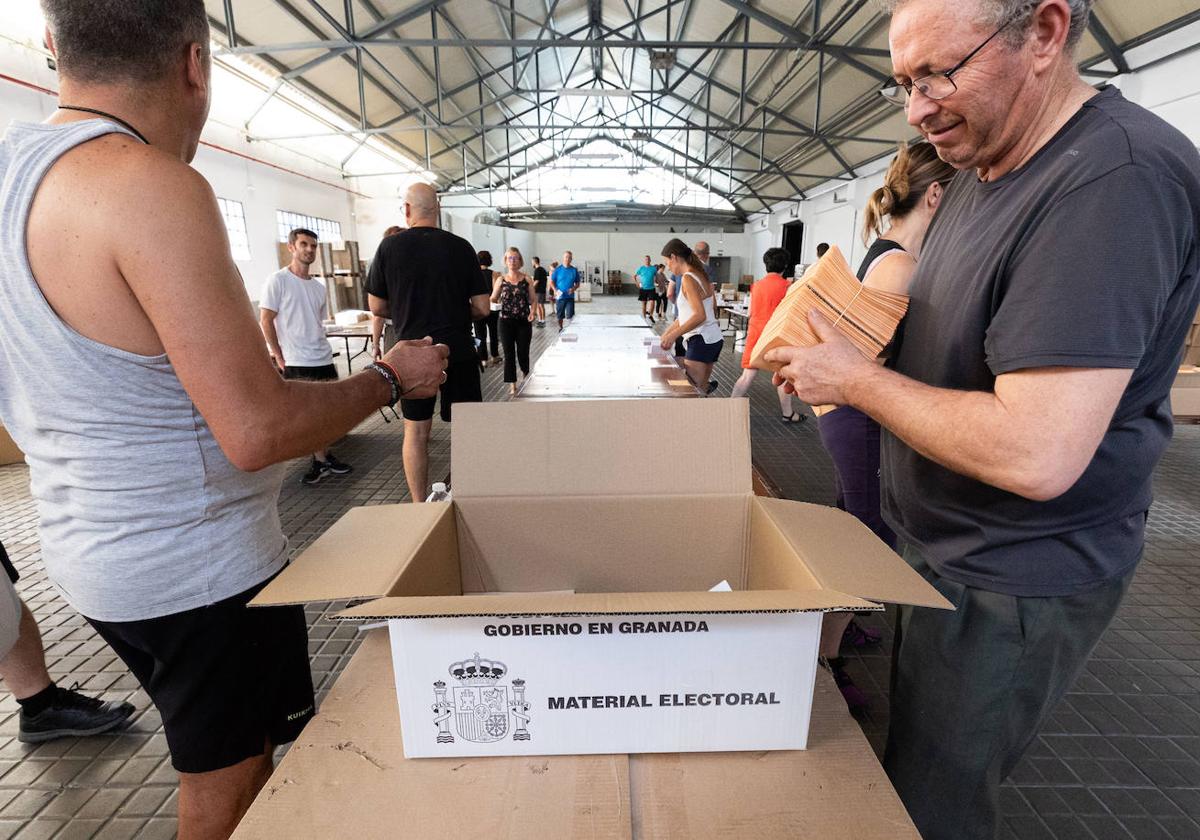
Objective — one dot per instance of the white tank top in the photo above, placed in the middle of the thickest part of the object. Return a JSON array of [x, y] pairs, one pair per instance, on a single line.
[[708, 330]]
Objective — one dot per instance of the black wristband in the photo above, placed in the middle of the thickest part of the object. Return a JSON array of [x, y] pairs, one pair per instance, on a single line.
[[391, 380]]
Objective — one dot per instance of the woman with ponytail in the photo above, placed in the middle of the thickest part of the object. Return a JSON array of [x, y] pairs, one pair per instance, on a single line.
[[696, 323], [897, 215]]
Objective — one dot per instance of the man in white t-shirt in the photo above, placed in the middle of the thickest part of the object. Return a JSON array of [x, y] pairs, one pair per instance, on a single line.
[[291, 313]]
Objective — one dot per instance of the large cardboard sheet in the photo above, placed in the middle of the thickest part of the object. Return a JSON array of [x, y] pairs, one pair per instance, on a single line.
[[346, 776], [834, 790]]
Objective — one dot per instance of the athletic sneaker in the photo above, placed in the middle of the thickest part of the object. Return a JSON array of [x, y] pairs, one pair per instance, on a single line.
[[335, 466], [72, 715], [316, 471], [712, 386]]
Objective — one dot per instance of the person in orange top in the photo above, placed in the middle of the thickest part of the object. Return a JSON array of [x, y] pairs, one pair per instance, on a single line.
[[765, 295]]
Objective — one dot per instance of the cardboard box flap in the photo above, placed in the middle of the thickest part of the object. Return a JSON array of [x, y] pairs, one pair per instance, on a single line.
[[583, 448], [844, 555], [362, 555], [633, 603]]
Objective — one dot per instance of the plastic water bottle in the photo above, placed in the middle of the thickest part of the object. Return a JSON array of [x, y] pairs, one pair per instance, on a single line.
[[440, 492]]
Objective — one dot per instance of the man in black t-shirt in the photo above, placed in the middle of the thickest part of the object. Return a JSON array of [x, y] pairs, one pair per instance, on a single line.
[[428, 282], [1027, 402], [540, 276]]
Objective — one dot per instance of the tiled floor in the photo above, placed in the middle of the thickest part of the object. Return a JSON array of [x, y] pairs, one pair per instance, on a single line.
[[1119, 759]]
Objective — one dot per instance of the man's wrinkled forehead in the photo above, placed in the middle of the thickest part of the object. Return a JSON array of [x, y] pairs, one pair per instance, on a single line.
[[927, 36]]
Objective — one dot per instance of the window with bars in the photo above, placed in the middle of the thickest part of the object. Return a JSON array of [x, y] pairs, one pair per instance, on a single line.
[[326, 230], [235, 227]]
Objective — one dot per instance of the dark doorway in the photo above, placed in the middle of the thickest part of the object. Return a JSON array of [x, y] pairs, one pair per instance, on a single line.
[[793, 240]]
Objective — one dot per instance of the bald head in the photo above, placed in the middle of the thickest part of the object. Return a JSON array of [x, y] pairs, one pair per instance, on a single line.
[[701, 249], [421, 206]]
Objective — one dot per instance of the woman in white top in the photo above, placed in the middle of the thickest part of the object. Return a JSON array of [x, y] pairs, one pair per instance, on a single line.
[[696, 322]]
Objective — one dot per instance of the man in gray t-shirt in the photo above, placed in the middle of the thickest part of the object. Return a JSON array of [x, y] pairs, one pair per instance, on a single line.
[[1027, 403]]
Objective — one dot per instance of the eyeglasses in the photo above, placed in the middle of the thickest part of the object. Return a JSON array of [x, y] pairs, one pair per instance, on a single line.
[[938, 86]]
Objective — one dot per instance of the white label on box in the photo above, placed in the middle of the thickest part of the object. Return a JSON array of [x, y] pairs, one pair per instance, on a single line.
[[470, 686]]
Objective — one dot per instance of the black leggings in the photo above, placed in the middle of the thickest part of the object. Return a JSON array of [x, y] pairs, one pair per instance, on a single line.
[[487, 342], [515, 334], [660, 304]]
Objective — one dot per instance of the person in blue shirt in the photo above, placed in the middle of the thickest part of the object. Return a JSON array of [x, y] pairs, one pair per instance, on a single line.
[[566, 281], [646, 293]]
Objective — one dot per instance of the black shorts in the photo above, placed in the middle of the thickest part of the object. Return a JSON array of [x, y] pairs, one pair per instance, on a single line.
[[461, 385], [647, 294], [227, 679], [324, 373], [700, 351], [540, 296]]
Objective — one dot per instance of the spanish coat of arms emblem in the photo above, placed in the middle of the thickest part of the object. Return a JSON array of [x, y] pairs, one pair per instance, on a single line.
[[480, 705]]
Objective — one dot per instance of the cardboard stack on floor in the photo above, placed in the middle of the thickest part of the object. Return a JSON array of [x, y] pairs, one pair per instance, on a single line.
[[547, 667], [1185, 395]]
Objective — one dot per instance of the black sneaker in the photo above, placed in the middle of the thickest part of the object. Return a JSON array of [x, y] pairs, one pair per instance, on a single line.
[[712, 386], [335, 466], [315, 473], [72, 715]]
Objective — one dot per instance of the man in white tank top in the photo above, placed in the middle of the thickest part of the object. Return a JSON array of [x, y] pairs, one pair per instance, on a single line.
[[149, 431]]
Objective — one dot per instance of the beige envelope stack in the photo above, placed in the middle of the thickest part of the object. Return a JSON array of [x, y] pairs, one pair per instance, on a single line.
[[867, 317]]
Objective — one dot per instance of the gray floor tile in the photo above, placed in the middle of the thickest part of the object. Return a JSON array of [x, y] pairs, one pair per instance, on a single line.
[[40, 829]]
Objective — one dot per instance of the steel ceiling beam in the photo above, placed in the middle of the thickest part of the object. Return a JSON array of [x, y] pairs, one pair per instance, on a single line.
[[524, 126], [594, 17], [296, 15], [551, 43], [729, 90], [1107, 43], [384, 25], [498, 99], [741, 99], [819, 138], [710, 130], [665, 7], [804, 40], [230, 29], [317, 92]]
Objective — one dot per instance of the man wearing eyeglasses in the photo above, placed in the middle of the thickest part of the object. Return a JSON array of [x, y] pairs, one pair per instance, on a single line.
[[1027, 404]]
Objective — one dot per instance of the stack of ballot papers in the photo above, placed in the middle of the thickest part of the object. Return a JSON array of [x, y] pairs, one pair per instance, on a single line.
[[867, 317]]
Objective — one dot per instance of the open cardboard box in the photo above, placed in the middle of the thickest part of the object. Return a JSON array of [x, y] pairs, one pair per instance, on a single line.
[[610, 549]]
